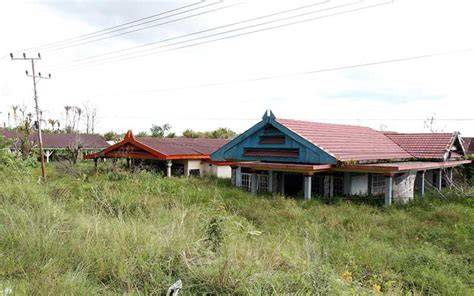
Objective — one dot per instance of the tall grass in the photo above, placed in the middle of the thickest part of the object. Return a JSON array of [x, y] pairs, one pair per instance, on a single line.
[[117, 232]]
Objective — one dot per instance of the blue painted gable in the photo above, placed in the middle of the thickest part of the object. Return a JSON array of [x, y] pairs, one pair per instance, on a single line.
[[270, 141]]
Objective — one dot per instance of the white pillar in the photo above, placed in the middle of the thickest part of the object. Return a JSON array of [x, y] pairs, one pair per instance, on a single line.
[[270, 181], [388, 190], [450, 176], [232, 176], [238, 177], [48, 153], [307, 187], [186, 168], [253, 183], [438, 179], [169, 163], [422, 191]]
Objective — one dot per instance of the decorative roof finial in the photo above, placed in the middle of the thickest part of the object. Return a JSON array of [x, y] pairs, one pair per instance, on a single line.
[[268, 115], [129, 135]]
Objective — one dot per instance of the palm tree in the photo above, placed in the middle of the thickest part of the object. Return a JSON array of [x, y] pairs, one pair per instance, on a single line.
[[15, 114], [67, 108], [52, 122]]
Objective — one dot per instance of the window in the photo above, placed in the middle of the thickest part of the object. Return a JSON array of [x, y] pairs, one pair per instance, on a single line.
[[338, 185], [246, 181], [378, 184], [317, 185], [262, 183]]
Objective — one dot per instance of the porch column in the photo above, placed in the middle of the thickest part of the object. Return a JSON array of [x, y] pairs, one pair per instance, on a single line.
[[169, 163], [48, 153], [253, 183], [238, 177], [422, 184], [307, 187], [232, 176], [439, 179], [270, 181], [388, 190], [450, 177]]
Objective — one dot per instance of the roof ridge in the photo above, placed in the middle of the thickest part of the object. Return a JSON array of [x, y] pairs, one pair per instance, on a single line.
[[319, 122]]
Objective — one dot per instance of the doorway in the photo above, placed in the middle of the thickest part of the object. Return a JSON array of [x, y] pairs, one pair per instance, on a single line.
[[293, 184]]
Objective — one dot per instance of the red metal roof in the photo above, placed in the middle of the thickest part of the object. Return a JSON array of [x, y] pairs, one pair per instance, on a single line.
[[183, 146], [161, 148], [424, 145], [61, 141], [347, 142]]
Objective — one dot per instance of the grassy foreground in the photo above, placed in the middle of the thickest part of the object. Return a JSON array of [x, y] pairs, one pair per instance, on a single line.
[[118, 232]]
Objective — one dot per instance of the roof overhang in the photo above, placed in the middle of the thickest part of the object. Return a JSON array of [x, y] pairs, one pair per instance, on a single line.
[[397, 167], [285, 167]]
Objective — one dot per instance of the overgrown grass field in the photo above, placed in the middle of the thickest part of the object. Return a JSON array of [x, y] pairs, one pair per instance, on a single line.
[[116, 232]]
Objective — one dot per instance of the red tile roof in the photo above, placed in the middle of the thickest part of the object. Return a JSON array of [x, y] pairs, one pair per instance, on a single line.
[[347, 142], [183, 146], [424, 145]]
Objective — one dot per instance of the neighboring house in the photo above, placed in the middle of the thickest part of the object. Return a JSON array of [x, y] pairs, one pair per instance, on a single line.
[[469, 145], [293, 157], [182, 156], [88, 143]]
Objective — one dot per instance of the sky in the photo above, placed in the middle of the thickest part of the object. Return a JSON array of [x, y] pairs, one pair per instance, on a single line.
[[231, 82]]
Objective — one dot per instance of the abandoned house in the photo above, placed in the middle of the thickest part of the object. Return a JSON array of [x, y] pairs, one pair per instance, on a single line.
[[54, 143], [293, 157], [175, 156]]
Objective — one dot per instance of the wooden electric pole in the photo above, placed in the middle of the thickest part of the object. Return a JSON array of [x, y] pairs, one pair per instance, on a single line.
[[35, 97]]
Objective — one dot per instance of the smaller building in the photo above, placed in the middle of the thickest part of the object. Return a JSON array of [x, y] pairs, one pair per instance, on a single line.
[[175, 156], [53, 143]]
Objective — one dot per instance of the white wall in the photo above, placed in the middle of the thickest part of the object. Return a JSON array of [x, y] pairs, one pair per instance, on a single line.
[[193, 165], [221, 171], [359, 184], [224, 171]]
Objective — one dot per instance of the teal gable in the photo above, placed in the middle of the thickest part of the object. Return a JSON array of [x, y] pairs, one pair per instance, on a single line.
[[270, 141]]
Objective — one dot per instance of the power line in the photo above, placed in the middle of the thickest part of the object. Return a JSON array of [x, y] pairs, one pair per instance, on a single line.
[[109, 28], [114, 59], [147, 27], [312, 72], [204, 31], [36, 79]]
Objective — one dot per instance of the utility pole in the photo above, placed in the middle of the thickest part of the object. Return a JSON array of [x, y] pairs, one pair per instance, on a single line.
[[36, 78]]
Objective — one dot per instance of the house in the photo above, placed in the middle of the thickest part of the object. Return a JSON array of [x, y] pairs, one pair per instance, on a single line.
[[88, 143], [469, 145], [293, 157], [176, 156]]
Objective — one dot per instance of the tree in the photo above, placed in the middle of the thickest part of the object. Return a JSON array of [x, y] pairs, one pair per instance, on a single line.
[[142, 135], [52, 122], [15, 114], [67, 108], [189, 133], [112, 136], [90, 117], [160, 131], [75, 149], [220, 133]]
